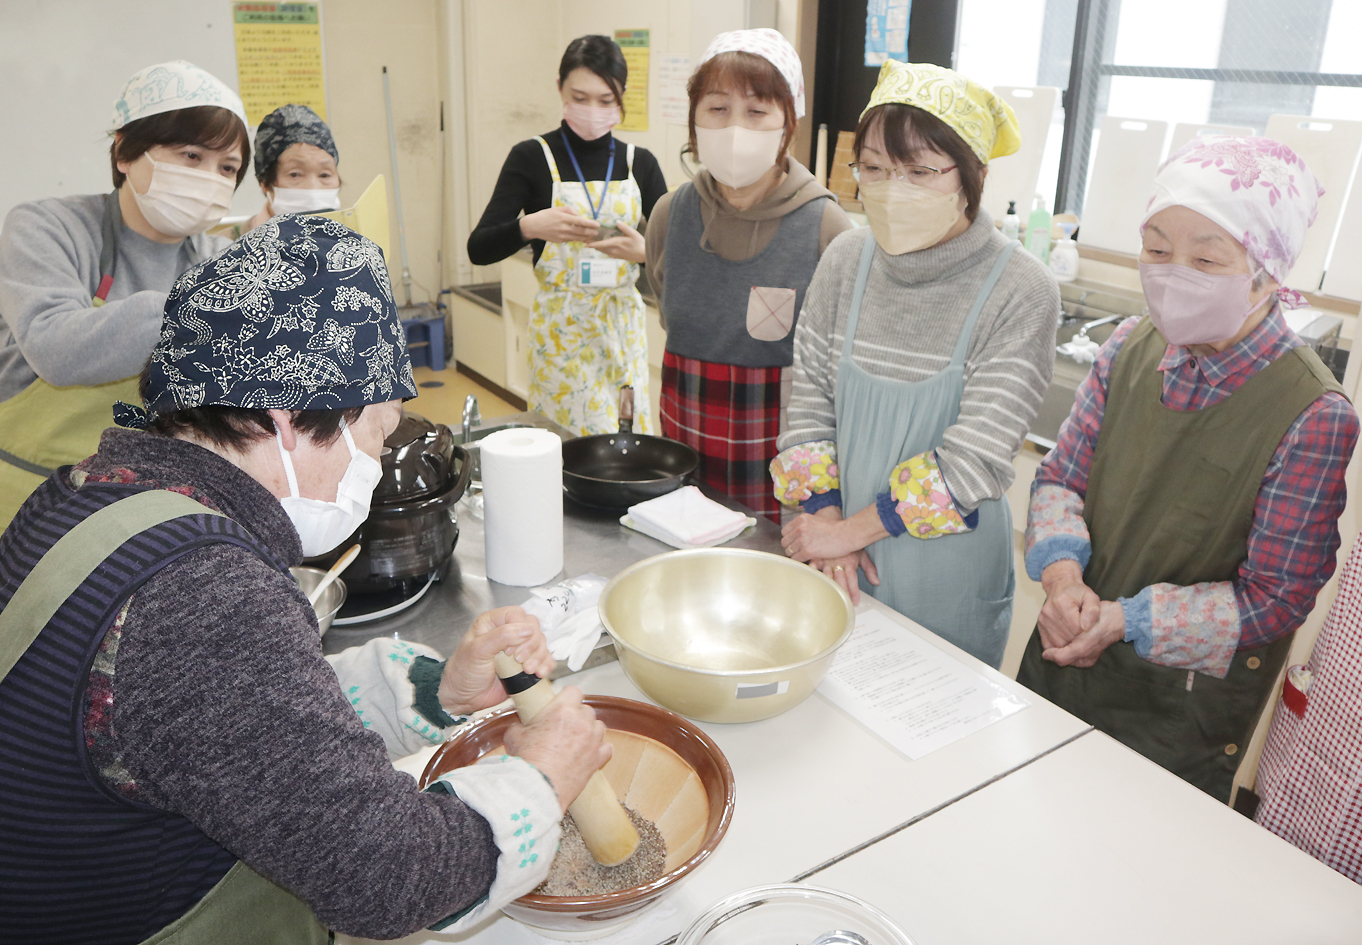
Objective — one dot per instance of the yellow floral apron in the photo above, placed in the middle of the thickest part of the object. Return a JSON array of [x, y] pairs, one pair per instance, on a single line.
[[586, 341]]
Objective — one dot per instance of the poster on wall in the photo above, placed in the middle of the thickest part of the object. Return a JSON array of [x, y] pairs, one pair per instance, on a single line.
[[634, 45], [279, 57], [886, 31], [673, 72]]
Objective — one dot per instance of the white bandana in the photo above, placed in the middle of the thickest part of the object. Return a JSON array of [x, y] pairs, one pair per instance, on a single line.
[[771, 46]]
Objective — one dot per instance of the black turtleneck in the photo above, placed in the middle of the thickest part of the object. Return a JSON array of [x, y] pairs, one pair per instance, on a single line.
[[526, 185]]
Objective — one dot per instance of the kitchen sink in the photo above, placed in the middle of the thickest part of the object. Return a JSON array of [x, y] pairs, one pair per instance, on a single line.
[[1097, 312], [1069, 374], [486, 430]]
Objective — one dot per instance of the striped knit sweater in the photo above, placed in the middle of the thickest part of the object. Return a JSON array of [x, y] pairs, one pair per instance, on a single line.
[[914, 308]]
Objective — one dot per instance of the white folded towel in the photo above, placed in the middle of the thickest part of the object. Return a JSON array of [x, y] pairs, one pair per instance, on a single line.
[[686, 518]]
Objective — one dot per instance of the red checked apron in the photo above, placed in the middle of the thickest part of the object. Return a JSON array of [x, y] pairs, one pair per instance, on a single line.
[[1310, 778]]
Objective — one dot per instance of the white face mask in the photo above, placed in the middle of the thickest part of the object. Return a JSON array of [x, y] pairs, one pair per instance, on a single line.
[[738, 156], [183, 201], [324, 525], [907, 217], [299, 200]]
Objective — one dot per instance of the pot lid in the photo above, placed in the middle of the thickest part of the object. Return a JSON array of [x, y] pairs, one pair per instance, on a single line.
[[418, 459]]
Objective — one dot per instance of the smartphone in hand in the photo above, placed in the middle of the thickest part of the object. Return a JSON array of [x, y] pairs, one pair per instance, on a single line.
[[607, 231]]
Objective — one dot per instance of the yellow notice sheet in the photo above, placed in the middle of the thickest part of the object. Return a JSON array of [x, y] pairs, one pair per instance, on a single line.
[[634, 44], [279, 57]]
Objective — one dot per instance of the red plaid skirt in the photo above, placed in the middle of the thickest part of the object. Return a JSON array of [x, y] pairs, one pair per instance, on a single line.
[[730, 415]]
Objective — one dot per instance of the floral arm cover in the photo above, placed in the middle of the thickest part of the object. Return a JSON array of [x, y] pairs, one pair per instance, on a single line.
[[392, 684], [522, 808], [917, 501], [805, 475]]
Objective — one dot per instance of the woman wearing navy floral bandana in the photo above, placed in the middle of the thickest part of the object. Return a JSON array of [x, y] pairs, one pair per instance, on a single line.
[[179, 755]]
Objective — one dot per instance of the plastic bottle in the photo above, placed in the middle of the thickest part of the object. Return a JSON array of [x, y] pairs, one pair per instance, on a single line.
[[1038, 231], [1064, 256], [1011, 222]]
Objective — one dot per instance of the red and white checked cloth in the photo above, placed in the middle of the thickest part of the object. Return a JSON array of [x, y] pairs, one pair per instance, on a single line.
[[1310, 778]]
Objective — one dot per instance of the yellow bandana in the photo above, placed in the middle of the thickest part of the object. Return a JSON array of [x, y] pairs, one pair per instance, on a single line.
[[985, 121]]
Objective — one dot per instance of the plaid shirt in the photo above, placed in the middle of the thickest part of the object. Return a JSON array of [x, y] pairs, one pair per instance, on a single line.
[[1294, 539]]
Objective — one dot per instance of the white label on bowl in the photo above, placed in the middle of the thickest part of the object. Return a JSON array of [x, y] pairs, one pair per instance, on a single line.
[[763, 689]]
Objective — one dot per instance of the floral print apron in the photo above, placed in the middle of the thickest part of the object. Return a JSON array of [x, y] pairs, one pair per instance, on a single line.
[[587, 341]]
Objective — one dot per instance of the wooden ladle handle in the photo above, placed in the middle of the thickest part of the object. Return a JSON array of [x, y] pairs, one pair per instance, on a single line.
[[605, 826]]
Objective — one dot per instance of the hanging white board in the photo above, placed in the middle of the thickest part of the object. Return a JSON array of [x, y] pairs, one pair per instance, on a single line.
[[1128, 155], [1344, 275], [1015, 177], [1184, 132], [1330, 148]]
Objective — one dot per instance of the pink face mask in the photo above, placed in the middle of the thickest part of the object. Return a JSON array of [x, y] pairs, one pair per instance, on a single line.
[[1196, 308], [589, 122]]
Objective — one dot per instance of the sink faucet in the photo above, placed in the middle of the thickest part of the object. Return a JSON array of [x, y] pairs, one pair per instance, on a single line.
[[472, 417]]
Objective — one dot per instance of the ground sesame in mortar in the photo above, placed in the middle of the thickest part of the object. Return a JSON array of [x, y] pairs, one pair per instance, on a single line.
[[575, 871]]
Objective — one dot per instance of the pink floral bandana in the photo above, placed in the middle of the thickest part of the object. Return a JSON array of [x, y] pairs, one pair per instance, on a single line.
[[771, 46], [1256, 188]]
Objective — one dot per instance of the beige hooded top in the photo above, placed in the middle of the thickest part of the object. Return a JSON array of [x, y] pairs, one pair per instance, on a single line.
[[741, 234]]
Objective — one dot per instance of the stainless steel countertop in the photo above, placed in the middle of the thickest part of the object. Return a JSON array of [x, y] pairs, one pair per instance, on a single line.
[[593, 541]]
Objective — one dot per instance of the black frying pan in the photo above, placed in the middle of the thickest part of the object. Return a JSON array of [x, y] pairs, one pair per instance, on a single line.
[[617, 470]]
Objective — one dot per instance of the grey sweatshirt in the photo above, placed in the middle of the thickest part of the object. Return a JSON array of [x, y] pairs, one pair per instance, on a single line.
[[914, 309], [49, 272], [225, 712]]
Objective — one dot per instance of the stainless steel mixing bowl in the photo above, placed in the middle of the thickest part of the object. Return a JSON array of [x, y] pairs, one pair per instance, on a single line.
[[330, 601], [725, 634]]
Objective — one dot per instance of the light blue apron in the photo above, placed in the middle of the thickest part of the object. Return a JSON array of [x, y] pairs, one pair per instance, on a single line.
[[957, 586]]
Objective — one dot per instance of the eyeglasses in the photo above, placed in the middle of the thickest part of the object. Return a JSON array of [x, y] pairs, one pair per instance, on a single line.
[[865, 172]]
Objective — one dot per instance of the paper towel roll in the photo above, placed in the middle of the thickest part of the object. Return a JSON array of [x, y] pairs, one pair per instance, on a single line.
[[522, 496]]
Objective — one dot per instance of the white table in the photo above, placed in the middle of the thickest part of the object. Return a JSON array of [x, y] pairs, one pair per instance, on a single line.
[[812, 785], [1093, 843]]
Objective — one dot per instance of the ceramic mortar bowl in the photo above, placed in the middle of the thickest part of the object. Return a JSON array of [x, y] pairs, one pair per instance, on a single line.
[[663, 767], [331, 600], [725, 634]]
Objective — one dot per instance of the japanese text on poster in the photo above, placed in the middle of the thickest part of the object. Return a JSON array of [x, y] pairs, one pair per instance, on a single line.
[[886, 31], [634, 45], [279, 57], [673, 72]]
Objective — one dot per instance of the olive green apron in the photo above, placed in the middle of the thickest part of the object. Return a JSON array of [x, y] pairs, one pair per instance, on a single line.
[[243, 906], [1170, 499], [43, 427]]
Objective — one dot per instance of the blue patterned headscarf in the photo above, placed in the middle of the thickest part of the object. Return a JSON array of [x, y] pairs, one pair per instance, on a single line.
[[288, 125], [298, 314]]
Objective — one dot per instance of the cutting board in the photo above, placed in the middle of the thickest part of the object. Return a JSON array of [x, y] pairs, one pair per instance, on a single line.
[[1014, 177], [1184, 132], [1128, 154], [1330, 148], [1344, 275]]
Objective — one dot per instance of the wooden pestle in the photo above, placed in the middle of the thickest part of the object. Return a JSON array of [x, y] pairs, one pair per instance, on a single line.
[[605, 827]]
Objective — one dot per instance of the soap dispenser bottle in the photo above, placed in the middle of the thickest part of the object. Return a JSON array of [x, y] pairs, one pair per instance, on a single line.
[[1011, 227], [1038, 231], [1064, 256]]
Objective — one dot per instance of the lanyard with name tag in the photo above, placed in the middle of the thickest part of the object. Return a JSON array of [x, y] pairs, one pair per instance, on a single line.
[[595, 269]]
